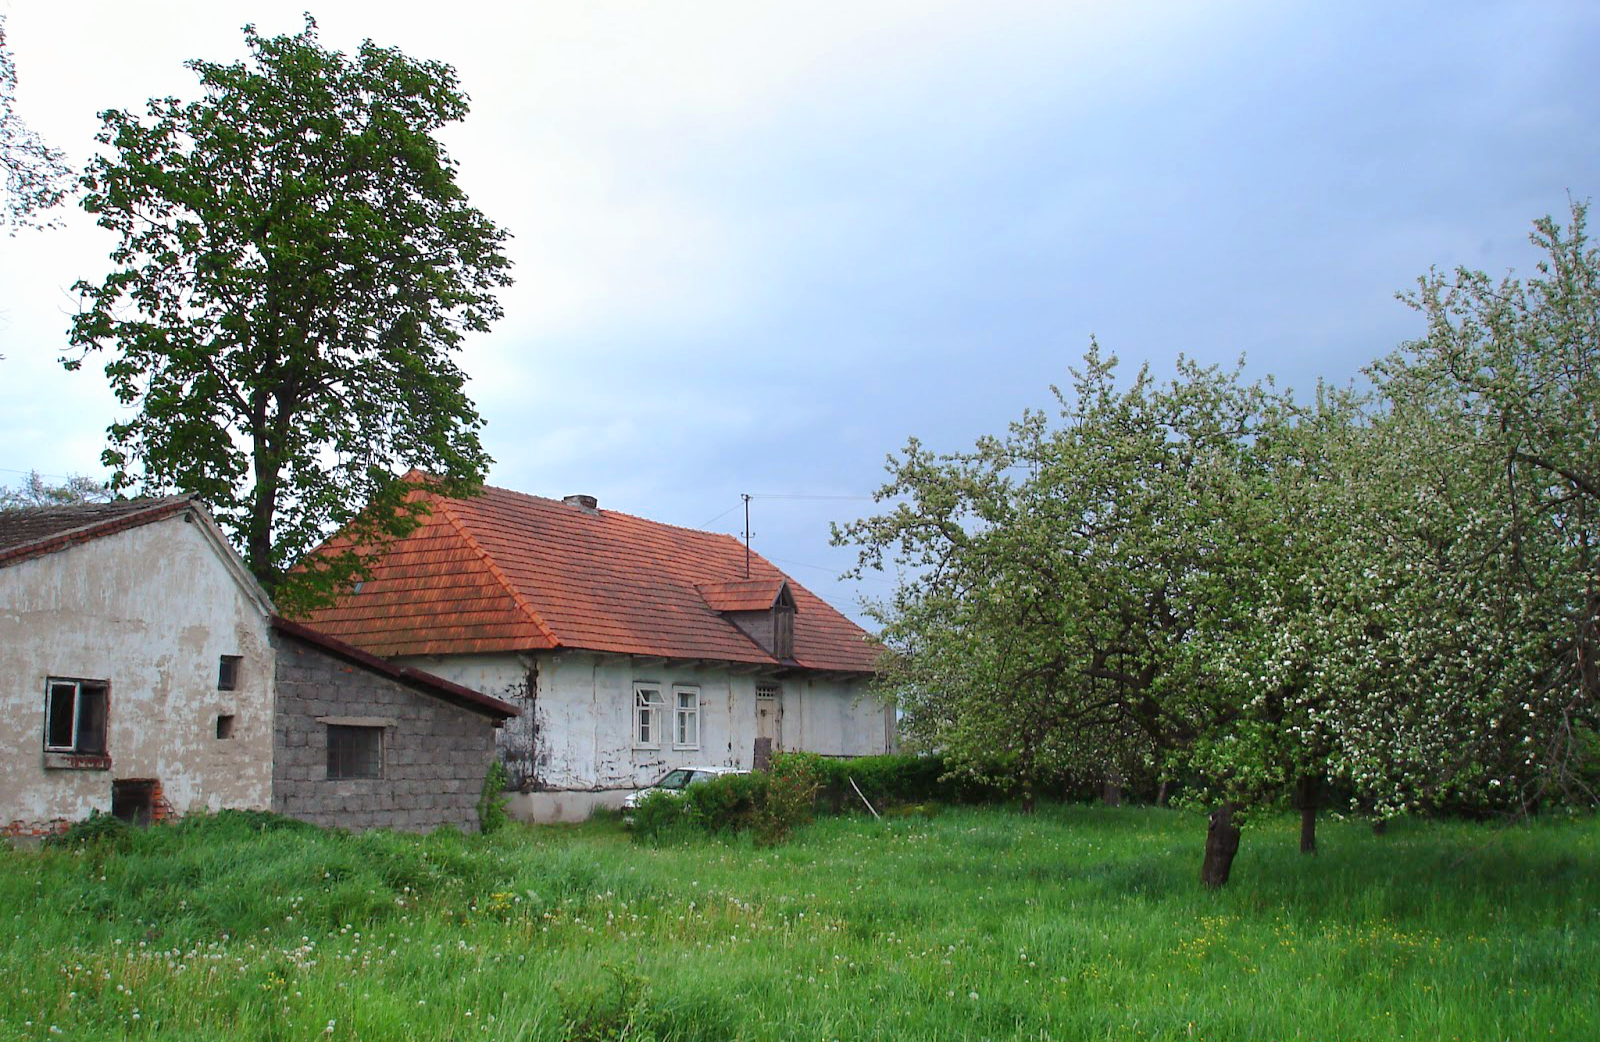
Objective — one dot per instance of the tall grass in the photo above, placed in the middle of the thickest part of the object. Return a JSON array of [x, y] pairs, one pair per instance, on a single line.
[[1075, 923]]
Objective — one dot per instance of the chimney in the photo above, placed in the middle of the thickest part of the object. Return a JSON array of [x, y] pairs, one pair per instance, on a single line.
[[587, 504]]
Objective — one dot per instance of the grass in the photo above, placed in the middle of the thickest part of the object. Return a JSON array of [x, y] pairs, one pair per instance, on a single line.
[[1076, 923]]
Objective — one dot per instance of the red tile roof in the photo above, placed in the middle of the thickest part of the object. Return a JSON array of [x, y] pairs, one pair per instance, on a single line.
[[510, 572]]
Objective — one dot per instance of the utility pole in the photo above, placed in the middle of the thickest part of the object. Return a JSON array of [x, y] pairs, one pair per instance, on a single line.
[[746, 497]]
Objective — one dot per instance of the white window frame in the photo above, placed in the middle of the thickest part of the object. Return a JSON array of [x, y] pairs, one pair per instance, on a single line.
[[649, 713], [685, 718], [79, 690]]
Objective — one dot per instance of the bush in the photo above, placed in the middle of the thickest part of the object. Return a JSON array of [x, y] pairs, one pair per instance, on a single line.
[[727, 803], [492, 816], [98, 831], [661, 816]]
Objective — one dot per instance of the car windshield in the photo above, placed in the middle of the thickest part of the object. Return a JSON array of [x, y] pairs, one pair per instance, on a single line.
[[675, 780]]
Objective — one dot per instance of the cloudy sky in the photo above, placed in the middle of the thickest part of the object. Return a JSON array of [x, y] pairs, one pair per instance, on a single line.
[[758, 245]]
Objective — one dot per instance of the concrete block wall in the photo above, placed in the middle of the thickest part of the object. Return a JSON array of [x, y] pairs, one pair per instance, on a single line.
[[435, 754]]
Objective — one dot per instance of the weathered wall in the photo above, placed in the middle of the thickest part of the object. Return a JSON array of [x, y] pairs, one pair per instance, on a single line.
[[577, 727], [150, 610], [435, 754]]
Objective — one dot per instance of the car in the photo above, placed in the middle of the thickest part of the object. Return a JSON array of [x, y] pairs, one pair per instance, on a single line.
[[674, 782]]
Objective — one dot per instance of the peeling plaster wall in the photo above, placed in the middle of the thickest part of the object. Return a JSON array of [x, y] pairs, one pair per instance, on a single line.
[[150, 610], [576, 732]]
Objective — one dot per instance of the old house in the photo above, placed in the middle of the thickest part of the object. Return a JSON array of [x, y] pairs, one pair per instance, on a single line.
[[135, 666], [631, 646], [143, 673]]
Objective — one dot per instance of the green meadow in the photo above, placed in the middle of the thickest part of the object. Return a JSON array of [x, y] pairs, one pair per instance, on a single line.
[[1073, 923]]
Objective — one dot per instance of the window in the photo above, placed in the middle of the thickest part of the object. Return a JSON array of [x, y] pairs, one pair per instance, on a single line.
[[355, 752], [228, 672], [686, 720], [648, 708], [224, 725], [75, 723]]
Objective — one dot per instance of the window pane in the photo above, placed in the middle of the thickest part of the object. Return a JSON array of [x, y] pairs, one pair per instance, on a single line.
[[355, 752], [91, 718], [58, 724]]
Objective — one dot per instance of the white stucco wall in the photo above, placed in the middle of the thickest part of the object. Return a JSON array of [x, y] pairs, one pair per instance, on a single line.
[[149, 610], [581, 715]]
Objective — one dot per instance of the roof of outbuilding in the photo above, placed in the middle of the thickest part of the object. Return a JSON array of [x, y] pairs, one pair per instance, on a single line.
[[504, 571], [31, 531], [416, 678]]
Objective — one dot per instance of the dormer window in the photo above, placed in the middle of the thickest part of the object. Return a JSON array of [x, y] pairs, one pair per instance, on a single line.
[[761, 609]]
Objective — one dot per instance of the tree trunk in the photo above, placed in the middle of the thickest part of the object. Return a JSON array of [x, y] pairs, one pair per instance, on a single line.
[[1161, 794], [1027, 799], [1308, 795], [1222, 843], [1111, 791], [1380, 826]]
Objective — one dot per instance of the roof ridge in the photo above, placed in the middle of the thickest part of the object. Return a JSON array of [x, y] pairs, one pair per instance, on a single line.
[[621, 513], [494, 569]]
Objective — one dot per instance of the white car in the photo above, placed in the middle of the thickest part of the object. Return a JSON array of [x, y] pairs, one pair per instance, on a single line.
[[675, 782]]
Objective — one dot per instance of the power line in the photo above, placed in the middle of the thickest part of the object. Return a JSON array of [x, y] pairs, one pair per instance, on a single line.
[[800, 495]]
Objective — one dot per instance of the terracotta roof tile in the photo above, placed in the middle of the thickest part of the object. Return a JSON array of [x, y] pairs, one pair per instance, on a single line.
[[510, 572]]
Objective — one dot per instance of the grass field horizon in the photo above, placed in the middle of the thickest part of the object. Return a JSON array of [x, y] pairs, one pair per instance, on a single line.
[[1073, 923]]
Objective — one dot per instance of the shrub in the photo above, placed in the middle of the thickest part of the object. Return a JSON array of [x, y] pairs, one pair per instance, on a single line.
[[789, 804], [727, 803], [661, 816], [99, 831], [492, 816]]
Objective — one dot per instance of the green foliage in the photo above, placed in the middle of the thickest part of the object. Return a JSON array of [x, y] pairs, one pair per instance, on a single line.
[[1207, 581], [662, 817], [492, 816], [788, 804], [98, 831], [295, 267], [727, 803], [1081, 598]]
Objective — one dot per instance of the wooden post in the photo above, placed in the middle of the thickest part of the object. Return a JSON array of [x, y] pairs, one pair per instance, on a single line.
[[761, 760]]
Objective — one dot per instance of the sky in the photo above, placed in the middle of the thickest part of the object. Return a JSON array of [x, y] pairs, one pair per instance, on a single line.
[[759, 245]]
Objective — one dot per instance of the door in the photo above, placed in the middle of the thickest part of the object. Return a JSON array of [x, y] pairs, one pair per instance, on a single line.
[[769, 714]]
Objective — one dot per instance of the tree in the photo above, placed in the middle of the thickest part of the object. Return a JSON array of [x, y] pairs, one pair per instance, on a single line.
[[1090, 595], [1484, 512], [35, 492], [296, 267], [36, 176]]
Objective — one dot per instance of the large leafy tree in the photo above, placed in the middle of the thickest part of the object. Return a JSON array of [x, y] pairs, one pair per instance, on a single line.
[[1092, 593], [36, 176], [296, 267], [1483, 513]]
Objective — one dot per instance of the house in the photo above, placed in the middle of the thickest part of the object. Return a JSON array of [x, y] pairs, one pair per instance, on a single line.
[[631, 646], [143, 673]]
